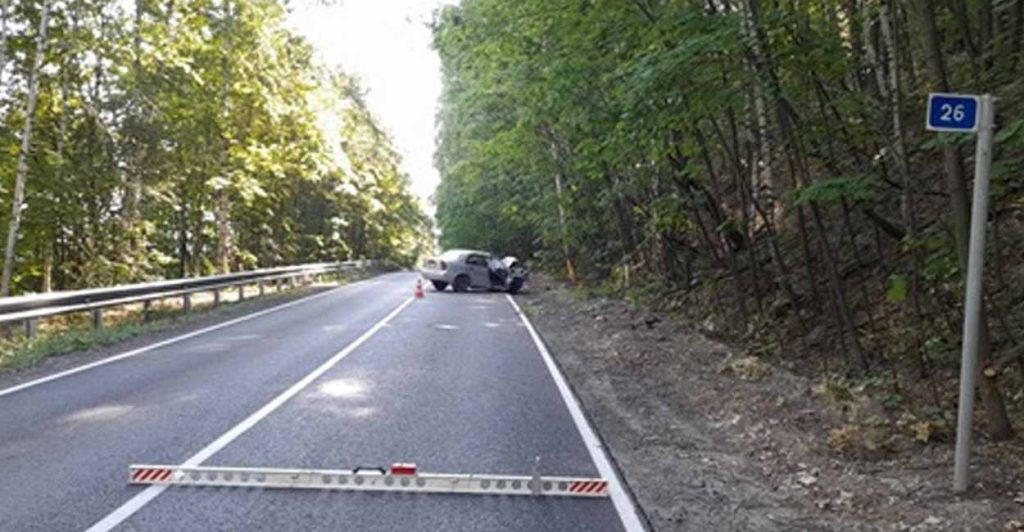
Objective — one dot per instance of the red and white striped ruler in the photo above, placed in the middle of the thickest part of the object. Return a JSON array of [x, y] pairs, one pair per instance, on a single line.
[[144, 475], [399, 477], [583, 487]]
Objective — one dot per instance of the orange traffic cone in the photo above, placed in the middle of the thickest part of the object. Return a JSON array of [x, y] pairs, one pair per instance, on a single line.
[[418, 293]]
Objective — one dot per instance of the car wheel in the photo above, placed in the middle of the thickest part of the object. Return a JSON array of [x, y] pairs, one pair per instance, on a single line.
[[461, 284], [439, 285], [515, 287]]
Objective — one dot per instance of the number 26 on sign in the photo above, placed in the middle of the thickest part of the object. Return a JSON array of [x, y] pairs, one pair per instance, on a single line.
[[952, 112]]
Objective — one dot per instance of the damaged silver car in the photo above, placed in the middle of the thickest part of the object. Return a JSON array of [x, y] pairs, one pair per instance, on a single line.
[[466, 269]]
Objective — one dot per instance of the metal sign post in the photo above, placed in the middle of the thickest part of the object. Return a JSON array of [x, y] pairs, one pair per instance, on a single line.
[[953, 112]]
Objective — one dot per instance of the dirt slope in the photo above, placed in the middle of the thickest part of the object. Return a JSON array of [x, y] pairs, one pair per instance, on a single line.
[[709, 439]]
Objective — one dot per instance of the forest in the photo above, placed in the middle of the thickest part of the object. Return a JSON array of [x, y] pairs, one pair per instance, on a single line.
[[145, 139], [756, 164]]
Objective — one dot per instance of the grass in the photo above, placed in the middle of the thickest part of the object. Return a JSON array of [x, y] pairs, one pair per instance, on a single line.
[[22, 353], [74, 333]]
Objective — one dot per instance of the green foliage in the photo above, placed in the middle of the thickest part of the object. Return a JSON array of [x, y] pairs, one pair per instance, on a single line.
[[897, 292], [741, 147], [175, 138], [940, 264], [834, 190], [938, 352], [31, 351]]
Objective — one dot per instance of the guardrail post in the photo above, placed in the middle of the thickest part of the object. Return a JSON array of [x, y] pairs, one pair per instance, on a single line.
[[261, 284], [241, 292], [216, 297], [186, 303], [147, 306], [97, 318], [30, 327]]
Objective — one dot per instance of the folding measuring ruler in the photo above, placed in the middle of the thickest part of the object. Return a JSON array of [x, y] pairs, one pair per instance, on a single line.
[[400, 477]]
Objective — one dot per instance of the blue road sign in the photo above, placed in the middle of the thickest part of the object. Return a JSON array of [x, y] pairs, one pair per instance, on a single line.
[[952, 112]]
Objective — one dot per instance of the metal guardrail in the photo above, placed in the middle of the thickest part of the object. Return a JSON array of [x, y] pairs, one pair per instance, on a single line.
[[29, 308]]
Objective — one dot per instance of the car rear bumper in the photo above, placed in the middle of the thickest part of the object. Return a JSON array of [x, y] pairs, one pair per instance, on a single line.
[[437, 275]]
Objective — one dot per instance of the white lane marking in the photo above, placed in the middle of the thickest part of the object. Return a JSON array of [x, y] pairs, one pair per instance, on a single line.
[[622, 501], [169, 341], [136, 503]]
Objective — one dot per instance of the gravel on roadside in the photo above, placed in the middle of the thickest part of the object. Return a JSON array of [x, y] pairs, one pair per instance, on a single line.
[[703, 449]]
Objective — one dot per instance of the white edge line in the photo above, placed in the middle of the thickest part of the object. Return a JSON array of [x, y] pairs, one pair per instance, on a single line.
[[136, 503], [135, 352], [622, 501]]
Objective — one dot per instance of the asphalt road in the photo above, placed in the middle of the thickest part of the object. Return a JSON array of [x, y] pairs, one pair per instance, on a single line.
[[452, 382]]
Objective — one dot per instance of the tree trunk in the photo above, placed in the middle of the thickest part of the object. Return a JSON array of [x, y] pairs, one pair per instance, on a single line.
[[762, 184], [962, 19], [995, 410], [26, 145], [222, 201], [570, 269], [760, 59], [788, 121], [845, 26], [713, 202], [1017, 35], [842, 304], [626, 223], [986, 21], [46, 283], [560, 154], [130, 243], [871, 50], [222, 213], [5, 8], [907, 199], [748, 236]]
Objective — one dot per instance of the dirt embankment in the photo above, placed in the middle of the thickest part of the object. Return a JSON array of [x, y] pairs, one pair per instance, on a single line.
[[710, 439]]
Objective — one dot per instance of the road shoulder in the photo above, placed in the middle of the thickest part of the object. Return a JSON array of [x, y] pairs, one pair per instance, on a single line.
[[704, 449], [169, 329]]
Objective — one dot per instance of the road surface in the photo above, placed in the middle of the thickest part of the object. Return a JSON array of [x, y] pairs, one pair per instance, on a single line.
[[451, 382]]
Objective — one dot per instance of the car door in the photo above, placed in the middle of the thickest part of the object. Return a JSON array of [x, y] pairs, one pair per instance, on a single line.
[[478, 272]]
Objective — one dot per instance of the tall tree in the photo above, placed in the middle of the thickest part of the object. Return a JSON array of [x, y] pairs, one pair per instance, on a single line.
[[183, 138], [761, 155], [956, 186], [18, 201]]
